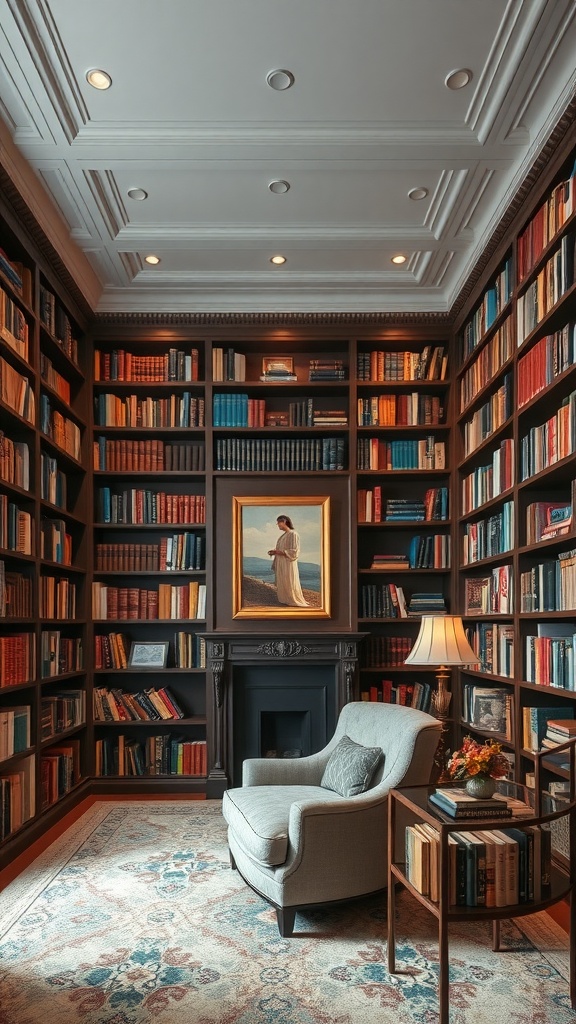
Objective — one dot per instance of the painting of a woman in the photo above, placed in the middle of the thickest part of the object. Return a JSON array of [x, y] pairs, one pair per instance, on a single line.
[[285, 564]]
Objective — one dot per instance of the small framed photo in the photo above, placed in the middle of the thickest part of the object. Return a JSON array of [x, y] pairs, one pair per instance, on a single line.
[[144, 655], [278, 364]]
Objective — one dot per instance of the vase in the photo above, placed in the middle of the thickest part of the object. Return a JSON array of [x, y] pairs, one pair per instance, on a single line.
[[480, 786]]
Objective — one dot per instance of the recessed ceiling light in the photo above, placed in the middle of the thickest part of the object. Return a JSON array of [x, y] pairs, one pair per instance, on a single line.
[[98, 79], [153, 260], [458, 79], [280, 79], [399, 258], [278, 260], [279, 187], [418, 193], [137, 193]]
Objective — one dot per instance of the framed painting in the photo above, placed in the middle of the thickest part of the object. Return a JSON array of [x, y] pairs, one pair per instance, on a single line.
[[148, 655], [281, 558]]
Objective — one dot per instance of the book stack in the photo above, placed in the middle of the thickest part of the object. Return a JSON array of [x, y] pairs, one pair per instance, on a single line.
[[558, 730], [426, 604], [327, 369], [277, 376], [392, 563], [535, 723], [459, 805], [404, 510]]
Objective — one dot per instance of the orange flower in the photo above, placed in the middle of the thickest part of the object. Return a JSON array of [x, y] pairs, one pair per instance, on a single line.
[[475, 758]]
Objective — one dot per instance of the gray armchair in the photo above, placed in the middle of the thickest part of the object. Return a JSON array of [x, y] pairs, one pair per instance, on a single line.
[[300, 845]]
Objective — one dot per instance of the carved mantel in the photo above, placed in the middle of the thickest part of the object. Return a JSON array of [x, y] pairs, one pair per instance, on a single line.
[[226, 650]]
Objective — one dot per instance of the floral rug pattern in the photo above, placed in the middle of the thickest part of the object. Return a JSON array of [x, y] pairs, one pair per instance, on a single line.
[[135, 916]]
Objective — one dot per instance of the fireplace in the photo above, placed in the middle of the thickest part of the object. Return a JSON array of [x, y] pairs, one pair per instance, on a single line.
[[274, 698]]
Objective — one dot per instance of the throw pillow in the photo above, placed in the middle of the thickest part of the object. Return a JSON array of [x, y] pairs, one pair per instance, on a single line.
[[351, 767]]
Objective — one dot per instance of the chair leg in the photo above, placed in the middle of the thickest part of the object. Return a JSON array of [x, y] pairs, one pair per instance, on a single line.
[[286, 917], [232, 861]]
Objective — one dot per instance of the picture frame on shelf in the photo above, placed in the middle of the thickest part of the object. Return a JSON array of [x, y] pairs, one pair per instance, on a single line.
[[148, 655], [281, 557], [277, 364]]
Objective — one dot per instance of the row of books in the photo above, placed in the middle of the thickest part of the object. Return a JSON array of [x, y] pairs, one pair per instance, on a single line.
[[551, 585], [550, 656], [487, 363], [16, 595], [53, 482], [493, 642], [484, 538], [549, 442], [122, 365], [544, 361], [19, 276], [415, 695], [228, 364], [372, 453], [59, 771], [61, 430], [157, 755], [57, 598], [489, 417], [15, 527], [489, 480], [327, 369], [430, 363], [150, 705], [112, 650], [279, 455], [488, 868], [62, 711], [60, 654], [55, 541], [13, 325], [495, 297], [492, 593], [551, 283], [181, 552], [385, 651], [139, 506], [17, 392], [394, 410], [17, 659], [140, 603], [147, 456], [371, 508], [15, 730], [182, 410], [548, 519], [17, 796], [545, 224], [488, 708], [14, 461], [53, 379], [58, 324]]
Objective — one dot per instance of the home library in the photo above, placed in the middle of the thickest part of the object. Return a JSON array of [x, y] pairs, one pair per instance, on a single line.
[[450, 443]]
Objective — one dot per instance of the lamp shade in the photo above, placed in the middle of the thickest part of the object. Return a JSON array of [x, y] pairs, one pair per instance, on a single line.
[[441, 641]]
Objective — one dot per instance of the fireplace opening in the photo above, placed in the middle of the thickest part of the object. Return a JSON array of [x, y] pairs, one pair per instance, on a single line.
[[282, 711]]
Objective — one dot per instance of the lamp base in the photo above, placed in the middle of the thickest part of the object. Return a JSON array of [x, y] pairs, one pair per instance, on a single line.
[[440, 708]]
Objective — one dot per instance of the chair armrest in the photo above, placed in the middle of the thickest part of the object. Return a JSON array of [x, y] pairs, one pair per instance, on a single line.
[[284, 771]]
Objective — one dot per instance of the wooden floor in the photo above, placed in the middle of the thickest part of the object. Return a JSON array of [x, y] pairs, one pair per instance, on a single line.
[[559, 912]]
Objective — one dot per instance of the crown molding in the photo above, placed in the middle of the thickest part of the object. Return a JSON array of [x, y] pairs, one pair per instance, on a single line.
[[159, 319]]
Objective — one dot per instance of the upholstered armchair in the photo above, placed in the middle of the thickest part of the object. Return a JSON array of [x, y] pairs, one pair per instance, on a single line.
[[300, 844]]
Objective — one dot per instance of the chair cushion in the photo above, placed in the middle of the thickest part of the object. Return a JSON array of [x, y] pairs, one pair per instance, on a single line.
[[351, 767], [259, 815]]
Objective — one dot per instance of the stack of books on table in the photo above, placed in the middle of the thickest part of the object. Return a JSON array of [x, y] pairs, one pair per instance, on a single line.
[[458, 804]]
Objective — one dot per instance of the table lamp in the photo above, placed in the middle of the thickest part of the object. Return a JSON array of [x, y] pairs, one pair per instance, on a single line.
[[441, 643]]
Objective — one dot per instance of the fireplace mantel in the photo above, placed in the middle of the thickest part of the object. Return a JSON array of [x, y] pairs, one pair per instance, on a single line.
[[227, 651]]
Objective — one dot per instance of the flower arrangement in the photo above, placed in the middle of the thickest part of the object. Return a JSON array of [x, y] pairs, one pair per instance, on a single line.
[[476, 759]]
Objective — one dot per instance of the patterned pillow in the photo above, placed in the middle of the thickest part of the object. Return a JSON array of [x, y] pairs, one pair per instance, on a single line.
[[351, 767]]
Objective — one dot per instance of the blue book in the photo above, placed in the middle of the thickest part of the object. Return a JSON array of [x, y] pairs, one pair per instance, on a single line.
[[539, 722]]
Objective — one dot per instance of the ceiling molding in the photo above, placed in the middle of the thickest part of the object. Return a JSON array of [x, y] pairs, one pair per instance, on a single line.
[[384, 319]]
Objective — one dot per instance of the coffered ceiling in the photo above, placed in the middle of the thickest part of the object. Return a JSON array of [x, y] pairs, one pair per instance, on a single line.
[[191, 120]]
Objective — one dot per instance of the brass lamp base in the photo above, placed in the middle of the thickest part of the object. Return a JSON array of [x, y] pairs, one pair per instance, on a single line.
[[440, 708]]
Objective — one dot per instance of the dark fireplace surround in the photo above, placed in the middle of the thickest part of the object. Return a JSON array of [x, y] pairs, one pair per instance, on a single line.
[[274, 697]]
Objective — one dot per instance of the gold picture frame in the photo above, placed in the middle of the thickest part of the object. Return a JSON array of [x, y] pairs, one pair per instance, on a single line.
[[281, 570], [278, 364]]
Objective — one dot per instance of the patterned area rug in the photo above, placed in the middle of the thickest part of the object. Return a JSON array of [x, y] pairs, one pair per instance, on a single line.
[[134, 916]]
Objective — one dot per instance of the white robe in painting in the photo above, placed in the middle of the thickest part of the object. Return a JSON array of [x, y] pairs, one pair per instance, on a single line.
[[285, 567]]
